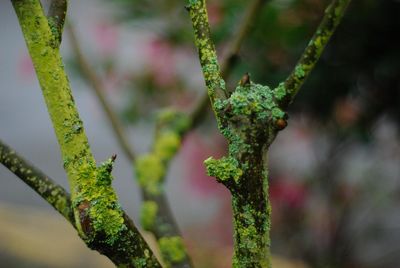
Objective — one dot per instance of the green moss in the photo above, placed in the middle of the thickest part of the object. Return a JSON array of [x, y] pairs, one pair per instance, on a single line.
[[206, 49], [166, 145], [253, 100], [223, 169], [172, 249], [148, 215], [150, 172], [299, 71], [55, 86], [280, 91], [101, 208], [252, 225], [173, 120]]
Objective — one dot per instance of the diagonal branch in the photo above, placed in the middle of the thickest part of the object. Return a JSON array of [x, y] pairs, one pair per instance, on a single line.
[[99, 219], [99, 90], [56, 17], [47, 188], [206, 50], [314, 49]]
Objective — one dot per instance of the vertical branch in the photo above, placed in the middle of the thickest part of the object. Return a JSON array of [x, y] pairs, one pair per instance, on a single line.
[[99, 219], [206, 50], [49, 190], [151, 170], [309, 58], [250, 119]]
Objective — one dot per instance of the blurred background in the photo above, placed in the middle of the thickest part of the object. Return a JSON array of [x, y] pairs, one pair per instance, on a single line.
[[334, 171]]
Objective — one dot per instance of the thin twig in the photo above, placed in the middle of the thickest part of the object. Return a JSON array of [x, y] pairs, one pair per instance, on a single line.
[[247, 23], [309, 58], [151, 172], [46, 187], [99, 90], [56, 17], [230, 60]]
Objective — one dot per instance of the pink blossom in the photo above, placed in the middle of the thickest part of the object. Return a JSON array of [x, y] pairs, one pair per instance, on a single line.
[[161, 60], [288, 194], [106, 36]]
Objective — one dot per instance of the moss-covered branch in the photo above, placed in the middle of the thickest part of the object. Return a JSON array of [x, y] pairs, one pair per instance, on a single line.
[[314, 49], [151, 170], [250, 119], [230, 60], [99, 219], [56, 17], [47, 188], [206, 50]]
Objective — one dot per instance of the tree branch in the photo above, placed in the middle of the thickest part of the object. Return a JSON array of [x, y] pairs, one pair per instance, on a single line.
[[99, 219], [313, 51], [230, 59], [56, 17], [206, 50], [151, 171], [47, 188], [99, 90]]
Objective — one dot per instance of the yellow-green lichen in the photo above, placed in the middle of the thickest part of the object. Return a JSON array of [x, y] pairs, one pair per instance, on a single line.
[[166, 145], [172, 249], [206, 49], [55, 86], [280, 91], [223, 169], [101, 211], [150, 172], [148, 213], [299, 71], [252, 100], [173, 120]]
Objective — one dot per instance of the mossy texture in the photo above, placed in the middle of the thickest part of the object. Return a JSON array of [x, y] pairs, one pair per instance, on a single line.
[[151, 170], [172, 250], [206, 50], [223, 169], [148, 214]]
